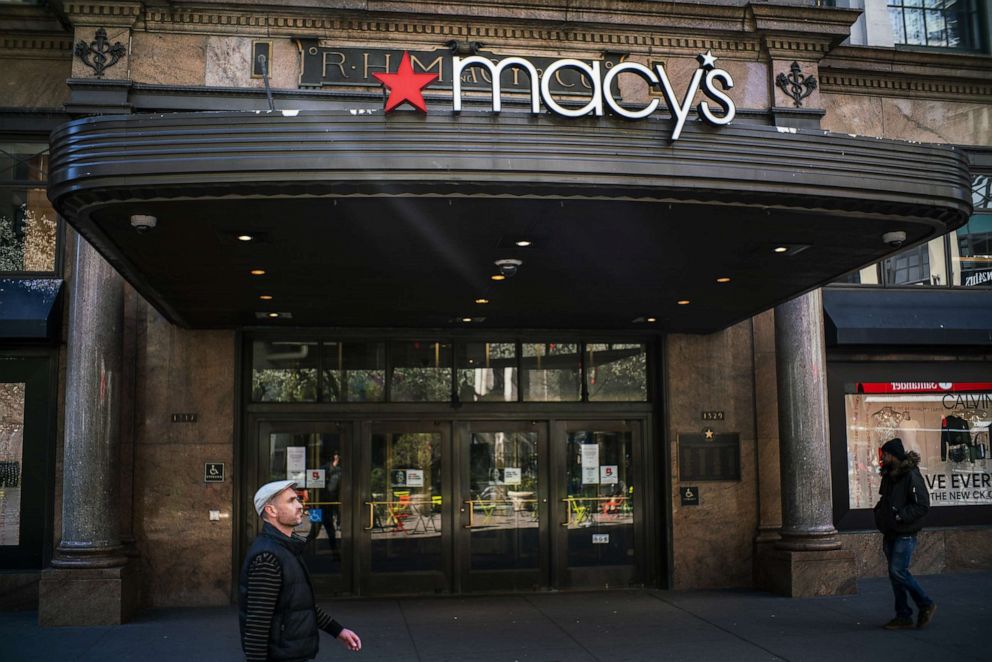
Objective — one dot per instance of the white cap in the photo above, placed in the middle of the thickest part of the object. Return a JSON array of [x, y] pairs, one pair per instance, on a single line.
[[269, 490]]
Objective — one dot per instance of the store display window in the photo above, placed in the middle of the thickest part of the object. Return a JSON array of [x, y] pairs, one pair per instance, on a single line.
[[945, 423]]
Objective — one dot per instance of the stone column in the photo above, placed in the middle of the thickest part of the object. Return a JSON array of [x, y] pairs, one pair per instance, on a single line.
[[809, 559], [89, 582]]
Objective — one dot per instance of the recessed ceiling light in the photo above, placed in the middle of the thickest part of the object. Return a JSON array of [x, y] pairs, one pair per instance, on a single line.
[[780, 249], [683, 302], [481, 301], [497, 277], [265, 297], [523, 243], [273, 315], [723, 279], [257, 272], [652, 319], [245, 237], [466, 319]]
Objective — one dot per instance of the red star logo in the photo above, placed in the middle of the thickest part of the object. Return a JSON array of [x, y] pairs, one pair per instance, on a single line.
[[405, 85]]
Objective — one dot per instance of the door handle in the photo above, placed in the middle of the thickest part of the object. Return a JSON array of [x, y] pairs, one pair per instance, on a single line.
[[371, 505]]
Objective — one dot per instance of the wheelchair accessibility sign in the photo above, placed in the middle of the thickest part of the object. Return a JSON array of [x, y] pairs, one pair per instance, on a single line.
[[213, 472]]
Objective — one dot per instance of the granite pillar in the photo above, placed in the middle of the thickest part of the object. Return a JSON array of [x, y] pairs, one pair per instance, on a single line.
[[89, 561], [808, 559]]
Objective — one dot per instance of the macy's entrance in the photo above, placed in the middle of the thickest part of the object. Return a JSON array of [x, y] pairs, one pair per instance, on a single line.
[[465, 505]]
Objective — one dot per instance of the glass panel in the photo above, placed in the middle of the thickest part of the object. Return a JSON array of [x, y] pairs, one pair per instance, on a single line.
[[27, 230], [405, 510], [981, 192], [617, 372], [284, 371], [945, 423], [487, 372], [551, 372], [11, 461], [421, 372], [600, 498], [314, 460], [935, 28], [23, 162], [354, 372], [910, 267], [503, 506], [915, 32], [971, 252], [898, 28]]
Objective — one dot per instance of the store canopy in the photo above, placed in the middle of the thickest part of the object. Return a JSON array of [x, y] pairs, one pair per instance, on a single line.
[[361, 219], [919, 316]]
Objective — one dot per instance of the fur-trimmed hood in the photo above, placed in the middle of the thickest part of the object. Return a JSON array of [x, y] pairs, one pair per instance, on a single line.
[[905, 466]]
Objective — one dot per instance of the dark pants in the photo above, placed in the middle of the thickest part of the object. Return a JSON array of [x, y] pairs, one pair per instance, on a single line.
[[899, 554]]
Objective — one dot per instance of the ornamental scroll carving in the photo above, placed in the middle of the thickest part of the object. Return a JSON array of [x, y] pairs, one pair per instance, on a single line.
[[796, 85], [99, 55]]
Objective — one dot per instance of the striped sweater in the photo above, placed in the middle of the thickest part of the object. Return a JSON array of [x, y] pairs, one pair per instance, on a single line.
[[264, 584]]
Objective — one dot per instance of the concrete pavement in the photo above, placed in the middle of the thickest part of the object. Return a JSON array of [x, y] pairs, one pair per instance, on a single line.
[[738, 625]]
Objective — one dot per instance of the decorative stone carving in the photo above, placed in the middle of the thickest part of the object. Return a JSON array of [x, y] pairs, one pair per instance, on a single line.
[[796, 85], [103, 54]]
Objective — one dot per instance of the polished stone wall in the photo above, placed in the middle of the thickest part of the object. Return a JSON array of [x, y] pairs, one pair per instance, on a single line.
[[186, 559], [712, 542]]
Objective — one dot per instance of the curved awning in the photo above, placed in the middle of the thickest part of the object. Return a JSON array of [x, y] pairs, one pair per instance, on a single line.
[[365, 219]]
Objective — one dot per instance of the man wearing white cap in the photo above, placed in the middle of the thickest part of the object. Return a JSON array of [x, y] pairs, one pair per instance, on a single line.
[[278, 615]]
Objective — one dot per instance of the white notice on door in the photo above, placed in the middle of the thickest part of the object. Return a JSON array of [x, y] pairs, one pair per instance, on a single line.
[[315, 478], [590, 464], [608, 474], [414, 477], [511, 475], [296, 463], [601, 538]]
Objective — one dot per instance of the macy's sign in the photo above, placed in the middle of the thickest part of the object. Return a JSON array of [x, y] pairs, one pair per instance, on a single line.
[[717, 108]]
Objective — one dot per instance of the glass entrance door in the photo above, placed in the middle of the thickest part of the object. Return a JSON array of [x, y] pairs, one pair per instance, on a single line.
[[502, 541], [600, 530], [406, 509], [318, 457]]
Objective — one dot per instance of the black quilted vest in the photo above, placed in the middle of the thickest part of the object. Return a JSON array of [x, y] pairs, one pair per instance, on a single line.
[[293, 635]]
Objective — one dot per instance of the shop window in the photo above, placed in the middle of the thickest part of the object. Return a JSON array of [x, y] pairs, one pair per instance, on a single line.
[[284, 371], [936, 23], [354, 372], [945, 423], [487, 372], [616, 372], [11, 461], [420, 371], [28, 222], [551, 372], [971, 245]]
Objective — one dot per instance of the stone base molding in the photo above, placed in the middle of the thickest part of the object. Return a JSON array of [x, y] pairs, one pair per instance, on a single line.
[[88, 597], [807, 574]]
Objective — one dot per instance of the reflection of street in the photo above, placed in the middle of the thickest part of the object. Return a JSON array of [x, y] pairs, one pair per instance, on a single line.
[[404, 517], [599, 511]]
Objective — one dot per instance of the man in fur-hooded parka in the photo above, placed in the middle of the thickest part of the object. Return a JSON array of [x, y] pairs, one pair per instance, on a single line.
[[905, 500], [899, 515]]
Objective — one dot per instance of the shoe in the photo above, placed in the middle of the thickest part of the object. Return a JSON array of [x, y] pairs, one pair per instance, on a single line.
[[926, 615], [900, 623]]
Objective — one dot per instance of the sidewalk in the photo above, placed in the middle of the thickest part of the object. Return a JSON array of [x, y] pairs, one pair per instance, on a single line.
[[557, 627]]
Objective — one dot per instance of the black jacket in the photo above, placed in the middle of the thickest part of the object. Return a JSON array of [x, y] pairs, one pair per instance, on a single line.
[[905, 500], [294, 634]]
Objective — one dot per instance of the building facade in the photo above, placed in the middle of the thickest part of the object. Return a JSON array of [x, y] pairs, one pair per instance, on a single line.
[[616, 295]]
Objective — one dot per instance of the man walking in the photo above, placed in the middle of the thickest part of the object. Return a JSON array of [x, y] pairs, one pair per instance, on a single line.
[[899, 516], [278, 615]]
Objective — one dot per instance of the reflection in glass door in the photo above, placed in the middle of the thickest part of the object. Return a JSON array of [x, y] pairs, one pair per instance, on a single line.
[[403, 514], [318, 461], [504, 502], [599, 505]]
